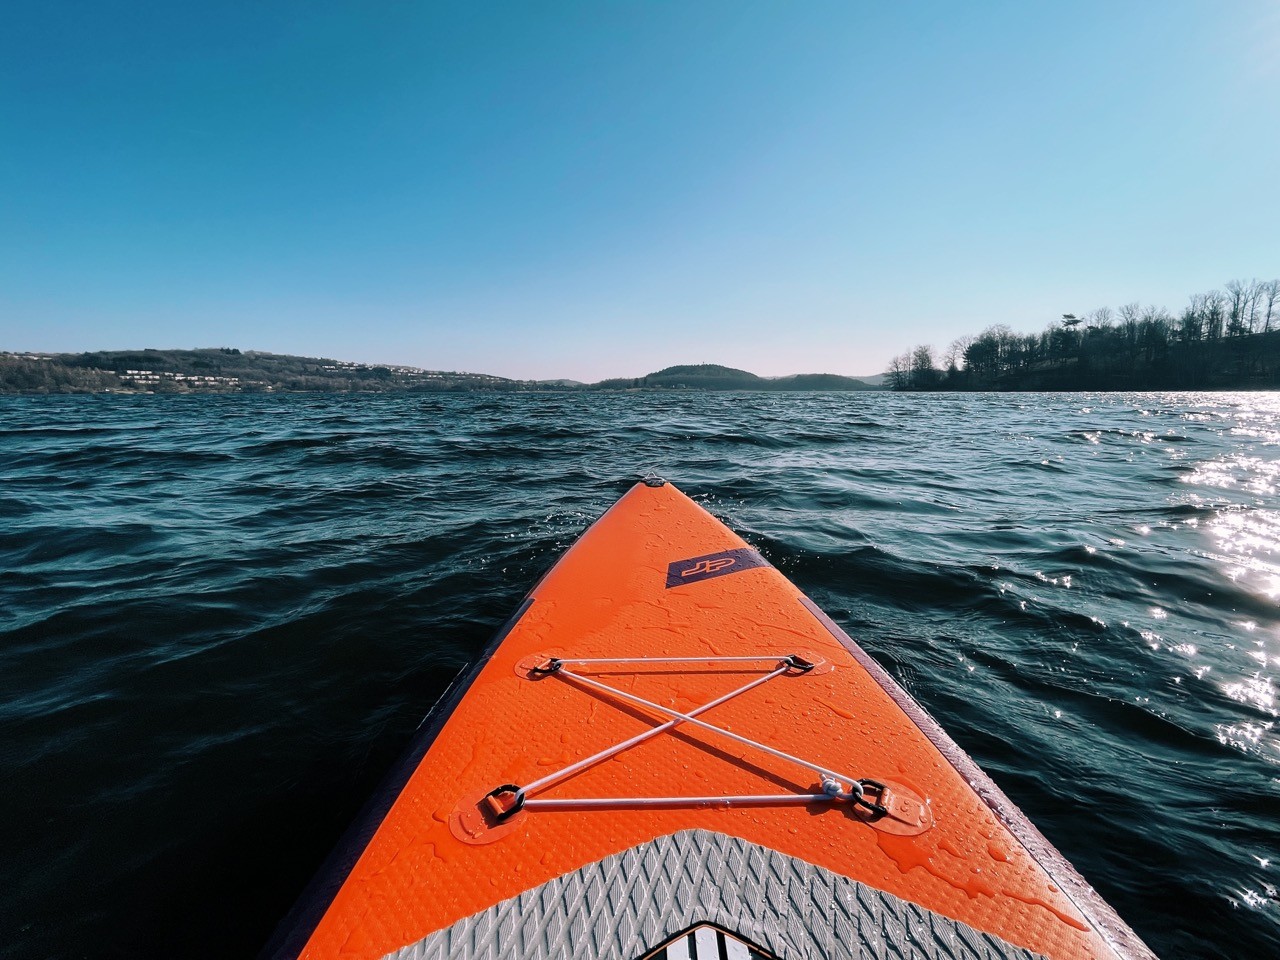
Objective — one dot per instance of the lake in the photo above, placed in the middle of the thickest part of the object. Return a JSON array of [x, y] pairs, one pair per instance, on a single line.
[[222, 617]]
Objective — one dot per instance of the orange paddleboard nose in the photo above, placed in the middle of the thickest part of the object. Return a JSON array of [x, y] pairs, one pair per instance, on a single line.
[[669, 747]]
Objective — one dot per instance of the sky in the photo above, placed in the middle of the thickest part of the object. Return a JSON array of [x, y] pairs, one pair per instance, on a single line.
[[605, 188]]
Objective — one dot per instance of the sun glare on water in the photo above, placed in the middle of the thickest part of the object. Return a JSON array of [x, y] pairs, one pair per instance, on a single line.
[[1243, 534]]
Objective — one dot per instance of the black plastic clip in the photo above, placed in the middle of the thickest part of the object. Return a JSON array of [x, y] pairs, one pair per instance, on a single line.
[[879, 809], [553, 666]]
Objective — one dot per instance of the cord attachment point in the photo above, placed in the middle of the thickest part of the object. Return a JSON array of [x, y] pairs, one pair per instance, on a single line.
[[536, 666], [500, 810], [878, 790], [806, 663], [481, 818], [891, 807], [797, 663]]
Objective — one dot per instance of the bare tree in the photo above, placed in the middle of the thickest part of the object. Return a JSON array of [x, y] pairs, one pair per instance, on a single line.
[[1156, 326], [1100, 319], [1270, 296], [1215, 314], [1194, 321], [1237, 295], [1252, 296], [1242, 306], [953, 356], [1130, 317], [898, 375]]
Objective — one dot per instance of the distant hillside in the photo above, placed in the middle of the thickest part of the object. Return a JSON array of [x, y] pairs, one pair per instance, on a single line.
[[705, 376], [222, 370], [818, 381], [229, 370], [712, 376]]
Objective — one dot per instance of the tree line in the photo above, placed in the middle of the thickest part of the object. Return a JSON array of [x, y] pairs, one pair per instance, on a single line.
[[1223, 339]]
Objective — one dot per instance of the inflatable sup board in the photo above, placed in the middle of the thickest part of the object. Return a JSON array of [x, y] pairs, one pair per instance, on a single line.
[[670, 752]]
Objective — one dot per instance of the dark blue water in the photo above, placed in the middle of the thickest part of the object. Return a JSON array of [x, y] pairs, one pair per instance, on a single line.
[[221, 619]]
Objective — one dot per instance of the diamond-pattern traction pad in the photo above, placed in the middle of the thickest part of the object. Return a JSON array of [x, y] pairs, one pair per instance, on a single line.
[[624, 905]]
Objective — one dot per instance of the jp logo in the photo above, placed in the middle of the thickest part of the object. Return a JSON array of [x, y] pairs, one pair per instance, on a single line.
[[709, 566], [695, 569]]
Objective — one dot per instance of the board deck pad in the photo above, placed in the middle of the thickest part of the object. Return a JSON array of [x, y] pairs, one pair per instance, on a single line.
[[683, 611]]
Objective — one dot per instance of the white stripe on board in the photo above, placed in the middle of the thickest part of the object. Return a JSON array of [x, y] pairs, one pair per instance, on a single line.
[[705, 947]]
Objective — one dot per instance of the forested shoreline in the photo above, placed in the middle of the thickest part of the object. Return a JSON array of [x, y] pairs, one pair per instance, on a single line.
[[1226, 339]]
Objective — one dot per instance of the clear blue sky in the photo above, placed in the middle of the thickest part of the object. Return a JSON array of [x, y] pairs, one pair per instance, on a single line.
[[605, 188]]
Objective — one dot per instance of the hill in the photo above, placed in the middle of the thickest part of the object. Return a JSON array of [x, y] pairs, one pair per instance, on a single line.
[[818, 381], [713, 376], [705, 376], [876, 380]]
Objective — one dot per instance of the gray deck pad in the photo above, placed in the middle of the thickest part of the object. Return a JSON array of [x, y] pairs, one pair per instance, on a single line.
[[626, 905]]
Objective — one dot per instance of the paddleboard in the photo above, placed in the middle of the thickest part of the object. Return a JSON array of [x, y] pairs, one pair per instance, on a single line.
[[669, 751]]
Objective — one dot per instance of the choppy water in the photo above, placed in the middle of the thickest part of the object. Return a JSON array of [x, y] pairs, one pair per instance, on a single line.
[[222, 617]]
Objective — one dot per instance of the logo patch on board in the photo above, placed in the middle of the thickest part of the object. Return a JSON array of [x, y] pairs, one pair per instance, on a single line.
[[707, 942], [713, 565]]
